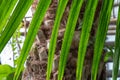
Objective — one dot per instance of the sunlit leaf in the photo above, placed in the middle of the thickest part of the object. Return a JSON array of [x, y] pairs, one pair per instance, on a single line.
[[14, 21], [6, 9], [61, 7], [101, 35], [33, 29], [86, 28], [70, 27], [5, 70]]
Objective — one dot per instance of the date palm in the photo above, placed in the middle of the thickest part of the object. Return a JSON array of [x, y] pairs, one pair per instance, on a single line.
[[81, 23]]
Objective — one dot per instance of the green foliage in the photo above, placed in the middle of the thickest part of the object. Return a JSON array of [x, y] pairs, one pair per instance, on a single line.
[[109, 54], [14, 21], [33, 29], [61, 7], [14, 11], [6, 8], [116, 55], [86, 28], [15, 42], [5, 70], [70, 27], [101, 35]]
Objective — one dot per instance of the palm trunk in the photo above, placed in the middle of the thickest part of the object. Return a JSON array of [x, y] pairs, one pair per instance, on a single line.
[[37, 61]]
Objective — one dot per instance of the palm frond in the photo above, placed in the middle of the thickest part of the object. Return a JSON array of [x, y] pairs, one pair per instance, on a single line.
[[5, 11], [101, 35], [70, 27], [86, 28], [61, 7], [33, 29], [12, 13], [14, 21]]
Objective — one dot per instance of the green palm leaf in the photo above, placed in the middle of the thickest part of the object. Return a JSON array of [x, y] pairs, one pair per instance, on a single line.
[[14, 21], [13, 11], [33, 29], [70, 27], [6, 9], [116, 55], [86, 28], [61, 7], [101, 34]]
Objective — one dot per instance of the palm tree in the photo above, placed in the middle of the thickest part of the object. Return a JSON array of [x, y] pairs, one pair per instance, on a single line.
[[80, 23], [45, 31]]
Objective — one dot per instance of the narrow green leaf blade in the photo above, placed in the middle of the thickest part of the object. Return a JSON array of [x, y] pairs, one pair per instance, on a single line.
[[70, 27], [86, 28], [61, 7], [14, 21], [101, 34], [5, 11], [116, 55], [33, 29]]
